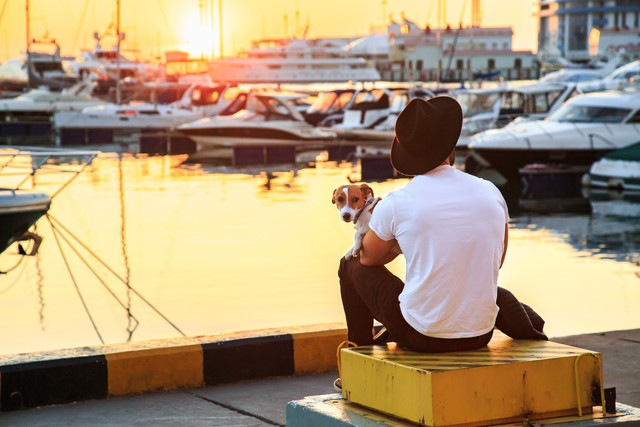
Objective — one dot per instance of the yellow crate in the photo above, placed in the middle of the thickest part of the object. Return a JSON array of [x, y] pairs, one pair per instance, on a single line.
[[509, 380]]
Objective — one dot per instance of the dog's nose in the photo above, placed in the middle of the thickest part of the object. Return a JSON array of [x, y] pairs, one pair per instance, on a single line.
[[346, 216]]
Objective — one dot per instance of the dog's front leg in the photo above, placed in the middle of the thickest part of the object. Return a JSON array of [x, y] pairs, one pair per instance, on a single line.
[[357, 245]]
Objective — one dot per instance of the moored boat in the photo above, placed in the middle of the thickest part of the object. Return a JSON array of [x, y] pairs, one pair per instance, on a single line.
[[580, 132], [269, 119], [22, 207], [18, 212], [619, 169]]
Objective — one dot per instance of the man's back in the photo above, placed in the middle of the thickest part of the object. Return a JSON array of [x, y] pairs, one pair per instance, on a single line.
[[450, 227]]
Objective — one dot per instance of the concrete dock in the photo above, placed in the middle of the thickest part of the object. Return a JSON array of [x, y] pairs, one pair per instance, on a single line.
[[263, 402]]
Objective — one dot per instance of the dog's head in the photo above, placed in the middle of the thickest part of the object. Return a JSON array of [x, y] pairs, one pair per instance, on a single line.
[[350, 199]]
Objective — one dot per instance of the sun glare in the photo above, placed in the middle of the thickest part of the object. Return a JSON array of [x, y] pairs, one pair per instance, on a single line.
[[198, 40]]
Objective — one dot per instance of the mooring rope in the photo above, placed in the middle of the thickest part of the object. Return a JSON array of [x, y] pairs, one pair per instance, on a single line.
[[73, 279], [59, 224], [95, 273]]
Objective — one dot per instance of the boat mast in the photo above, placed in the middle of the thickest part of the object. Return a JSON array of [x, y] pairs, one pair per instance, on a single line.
[[220, 25], [28, 32], [118, 95]]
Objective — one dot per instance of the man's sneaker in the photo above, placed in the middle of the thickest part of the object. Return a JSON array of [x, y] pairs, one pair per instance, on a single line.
[[337, 385]]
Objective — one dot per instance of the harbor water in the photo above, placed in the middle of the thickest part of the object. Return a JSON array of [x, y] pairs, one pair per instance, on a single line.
[[164, 248]]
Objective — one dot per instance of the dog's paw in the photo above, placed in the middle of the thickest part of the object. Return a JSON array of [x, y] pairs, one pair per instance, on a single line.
[[351, 253]]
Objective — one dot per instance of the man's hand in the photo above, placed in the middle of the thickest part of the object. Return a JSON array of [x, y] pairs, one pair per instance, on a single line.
[[376, 251]]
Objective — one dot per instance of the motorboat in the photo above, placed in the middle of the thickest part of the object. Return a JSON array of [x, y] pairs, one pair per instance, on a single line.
[[480, 110], [48, 69], [32, 112], [22, 207], [107, 65], [619, 169], [39, 67], [372, 116], [269, 119], [198, 101], [578, 133], [370, 108], [97, 124], [293, 61], [329, 106], [572, 75], [398, 100], [617, 79], [491, 108]]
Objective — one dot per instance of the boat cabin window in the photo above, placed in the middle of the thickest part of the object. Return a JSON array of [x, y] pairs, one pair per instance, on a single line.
[[588, 114], [275, 106], [477, 103], [323, 102], [376, 98], [236, 105], [330, 102], [635, 118], [512, 104], [541, 102], [205, 96], [231, 93], [106, 55]]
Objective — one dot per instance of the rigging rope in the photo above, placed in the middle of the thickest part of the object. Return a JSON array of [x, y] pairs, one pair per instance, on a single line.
[[59, 224], [86, 263], [73, 279], [4, 7], [80, 27]]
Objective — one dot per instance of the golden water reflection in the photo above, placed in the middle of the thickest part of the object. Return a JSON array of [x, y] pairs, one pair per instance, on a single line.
[[214, 250]]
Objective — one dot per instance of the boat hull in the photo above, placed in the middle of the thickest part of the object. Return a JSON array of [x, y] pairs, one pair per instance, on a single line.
[[508, 162], [18, 212], [616, 174]]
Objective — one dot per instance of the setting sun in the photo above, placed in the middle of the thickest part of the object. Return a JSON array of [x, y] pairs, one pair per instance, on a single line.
[[199, 40]]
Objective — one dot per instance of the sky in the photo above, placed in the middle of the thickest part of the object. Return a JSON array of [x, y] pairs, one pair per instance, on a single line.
[[154, 26]]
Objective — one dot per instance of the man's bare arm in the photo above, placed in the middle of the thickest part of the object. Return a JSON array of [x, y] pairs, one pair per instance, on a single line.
[[376, 251]]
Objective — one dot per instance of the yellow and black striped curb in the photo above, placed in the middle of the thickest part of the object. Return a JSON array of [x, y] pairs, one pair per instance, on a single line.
[[63, 376]]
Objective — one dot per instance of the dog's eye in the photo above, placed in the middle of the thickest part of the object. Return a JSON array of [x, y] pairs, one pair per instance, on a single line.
[[355, 200], [341, 199]]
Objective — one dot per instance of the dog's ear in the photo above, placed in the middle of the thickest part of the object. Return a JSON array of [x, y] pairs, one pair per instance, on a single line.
[[367, 191], [333, 196]]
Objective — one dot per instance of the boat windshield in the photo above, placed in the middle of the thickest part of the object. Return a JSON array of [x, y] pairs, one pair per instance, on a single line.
[[477, 103], [541, 102], [589, 114], [330, 102]]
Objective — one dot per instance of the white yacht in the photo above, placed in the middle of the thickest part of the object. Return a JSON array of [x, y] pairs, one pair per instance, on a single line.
[[492, 108], [580, 132], [42, 102], [617, 79], [106, 64], [269, 119], [293, 61], [78, 127]]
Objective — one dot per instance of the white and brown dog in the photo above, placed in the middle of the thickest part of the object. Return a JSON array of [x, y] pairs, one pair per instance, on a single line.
[[355, 204]]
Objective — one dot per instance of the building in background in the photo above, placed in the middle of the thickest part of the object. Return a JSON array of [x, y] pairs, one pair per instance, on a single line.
[[455, 54], [567, 28]]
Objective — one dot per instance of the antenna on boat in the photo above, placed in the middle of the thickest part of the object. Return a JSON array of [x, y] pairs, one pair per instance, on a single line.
[[118, 35], [28, 33]]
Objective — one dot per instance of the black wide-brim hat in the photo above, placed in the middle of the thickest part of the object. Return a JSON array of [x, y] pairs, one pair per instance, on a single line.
[[426, 132]]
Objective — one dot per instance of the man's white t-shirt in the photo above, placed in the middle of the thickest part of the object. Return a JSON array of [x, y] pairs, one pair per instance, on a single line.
[[450, 226]]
